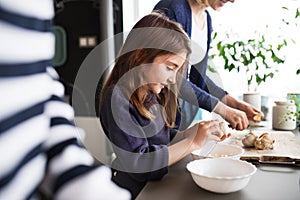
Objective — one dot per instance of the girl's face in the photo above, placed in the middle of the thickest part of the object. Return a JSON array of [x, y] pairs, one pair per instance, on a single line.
[[218, 4], [163, 71]]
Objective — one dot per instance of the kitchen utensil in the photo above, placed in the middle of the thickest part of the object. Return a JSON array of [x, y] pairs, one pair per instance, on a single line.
[[272, 160], [207, 148], [210, 145]]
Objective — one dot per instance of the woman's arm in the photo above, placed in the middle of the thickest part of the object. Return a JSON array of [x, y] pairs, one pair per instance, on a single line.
[[250, 111], [237, 113]]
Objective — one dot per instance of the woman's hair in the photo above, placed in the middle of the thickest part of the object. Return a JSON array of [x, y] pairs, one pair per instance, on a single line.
[[153, 35], [203, 2]]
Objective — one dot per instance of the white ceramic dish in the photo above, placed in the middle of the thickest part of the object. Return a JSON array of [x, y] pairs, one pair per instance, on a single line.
[[221, 150], [221, 175]]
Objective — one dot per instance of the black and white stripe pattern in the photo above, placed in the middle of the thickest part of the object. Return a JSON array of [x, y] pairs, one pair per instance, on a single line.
[[37, 134]]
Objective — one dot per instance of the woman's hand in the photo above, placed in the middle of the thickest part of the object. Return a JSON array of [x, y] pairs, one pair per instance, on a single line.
[[236, 118], [251, 113]]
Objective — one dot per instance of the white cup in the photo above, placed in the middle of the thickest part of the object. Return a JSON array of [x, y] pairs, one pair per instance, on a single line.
[[253, 98]]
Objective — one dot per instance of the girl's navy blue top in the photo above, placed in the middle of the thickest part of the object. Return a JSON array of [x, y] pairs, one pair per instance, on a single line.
[[140, 144]]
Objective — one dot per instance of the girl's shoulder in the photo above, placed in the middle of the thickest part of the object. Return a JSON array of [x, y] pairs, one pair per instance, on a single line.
[[114, 91]]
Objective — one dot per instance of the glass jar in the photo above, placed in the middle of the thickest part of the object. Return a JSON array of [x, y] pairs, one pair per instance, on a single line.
[[283, 115]]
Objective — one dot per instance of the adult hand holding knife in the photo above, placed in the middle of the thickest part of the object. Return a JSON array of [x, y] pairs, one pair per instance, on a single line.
[[237, 113]]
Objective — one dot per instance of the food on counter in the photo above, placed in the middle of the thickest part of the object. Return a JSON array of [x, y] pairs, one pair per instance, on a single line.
[[224, 129], [258, 117], [216, 155], [264, 141], [249, 139]]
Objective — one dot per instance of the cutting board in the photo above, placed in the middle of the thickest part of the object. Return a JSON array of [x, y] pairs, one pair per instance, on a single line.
[[286, 146]]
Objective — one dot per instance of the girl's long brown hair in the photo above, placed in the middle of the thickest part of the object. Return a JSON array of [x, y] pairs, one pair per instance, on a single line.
[[153, 35]]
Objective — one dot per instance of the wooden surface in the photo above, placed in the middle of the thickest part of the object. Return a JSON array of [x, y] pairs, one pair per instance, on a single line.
[[286, 145]]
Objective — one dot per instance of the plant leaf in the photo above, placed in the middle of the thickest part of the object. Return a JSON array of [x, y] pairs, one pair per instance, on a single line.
[[297, 13], [212, 69]]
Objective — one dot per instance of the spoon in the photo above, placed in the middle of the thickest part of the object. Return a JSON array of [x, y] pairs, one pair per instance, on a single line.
[[207, 148], [210, 145]]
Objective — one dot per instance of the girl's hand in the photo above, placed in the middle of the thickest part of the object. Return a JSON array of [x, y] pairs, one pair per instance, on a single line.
[[208, 130], [195, 137]]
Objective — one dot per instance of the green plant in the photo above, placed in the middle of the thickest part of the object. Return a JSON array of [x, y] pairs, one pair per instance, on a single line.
[[257, 56], [287, 22]]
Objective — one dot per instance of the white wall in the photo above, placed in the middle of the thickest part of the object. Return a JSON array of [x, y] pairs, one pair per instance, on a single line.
[[94, 138], [133, 10], [246, 16]]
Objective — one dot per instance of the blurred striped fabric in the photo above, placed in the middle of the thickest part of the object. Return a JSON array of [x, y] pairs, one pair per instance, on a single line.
[[37, 134]]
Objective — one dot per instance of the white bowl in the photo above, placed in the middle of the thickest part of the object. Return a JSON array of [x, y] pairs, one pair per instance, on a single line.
[[221, 150], [221, 175]]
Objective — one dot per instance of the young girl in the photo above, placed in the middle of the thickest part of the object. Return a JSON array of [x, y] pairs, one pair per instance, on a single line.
[[138, 104]]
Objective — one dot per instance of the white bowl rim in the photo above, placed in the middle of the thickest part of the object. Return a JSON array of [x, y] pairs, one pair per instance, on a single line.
[[242, 151], [254, 169]]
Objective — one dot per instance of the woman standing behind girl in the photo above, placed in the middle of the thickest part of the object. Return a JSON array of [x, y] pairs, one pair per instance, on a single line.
[[138, 104], [197, 23]]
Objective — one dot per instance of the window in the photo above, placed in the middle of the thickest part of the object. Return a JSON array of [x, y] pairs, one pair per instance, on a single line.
[[246, 17]]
